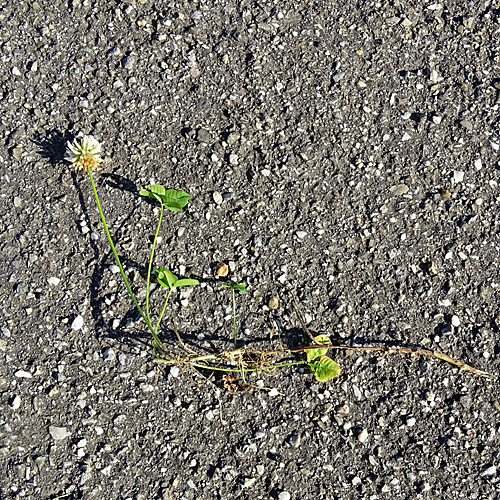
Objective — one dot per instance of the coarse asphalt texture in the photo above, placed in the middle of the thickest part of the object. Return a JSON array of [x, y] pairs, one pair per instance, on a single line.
[[341, 155]]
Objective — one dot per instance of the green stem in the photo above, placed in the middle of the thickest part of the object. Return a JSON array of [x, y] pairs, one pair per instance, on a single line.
[[163, 311], [148, 323], [151, 263], [234, 317], [239, 370]]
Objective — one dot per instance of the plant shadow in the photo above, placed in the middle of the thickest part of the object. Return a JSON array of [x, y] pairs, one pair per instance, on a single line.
[[53, 145], [103, 260]]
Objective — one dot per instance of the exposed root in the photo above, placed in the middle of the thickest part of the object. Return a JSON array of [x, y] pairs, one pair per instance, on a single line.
[[246, 359]]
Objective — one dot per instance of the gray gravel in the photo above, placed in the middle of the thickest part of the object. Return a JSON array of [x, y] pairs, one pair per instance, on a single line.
[[343, 154]]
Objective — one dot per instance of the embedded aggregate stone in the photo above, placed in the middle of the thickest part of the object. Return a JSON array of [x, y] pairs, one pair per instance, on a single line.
[[59, 433]]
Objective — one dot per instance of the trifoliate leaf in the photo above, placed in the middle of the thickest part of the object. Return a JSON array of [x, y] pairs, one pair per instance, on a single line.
[[172, 199]]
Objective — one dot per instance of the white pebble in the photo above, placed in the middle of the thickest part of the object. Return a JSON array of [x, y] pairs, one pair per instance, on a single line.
[[265, 172], [455, 320], [233, 159], [437, 119], [99, 430], [495, 146], [108, 354], [411, 422], [490, 471], [284, 495], [59, 433], [174, 371], [478, 164], [282, 279], [77, 323], [82, 443], [54, 281], [16, 403], [249, 482], [23, 374], [363, 436], [458, 175], [15, 71], [357, 392], [434, 76], [114, 269], [217, 197], [273, 392], [444, 302], [301, 235], [406, 137]]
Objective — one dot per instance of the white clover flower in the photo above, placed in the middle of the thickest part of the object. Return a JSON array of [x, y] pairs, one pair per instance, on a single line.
[[84, 153]]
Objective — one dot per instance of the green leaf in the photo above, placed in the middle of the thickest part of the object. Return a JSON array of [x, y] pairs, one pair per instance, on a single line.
[[240, 287], [186, 282], [145, 192], [168, 279], [172, 199], [175, 200], [324, 368], [165, 278], [312, 354]]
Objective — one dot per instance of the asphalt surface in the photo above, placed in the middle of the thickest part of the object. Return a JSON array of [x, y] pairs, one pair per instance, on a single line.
[[343, 155]]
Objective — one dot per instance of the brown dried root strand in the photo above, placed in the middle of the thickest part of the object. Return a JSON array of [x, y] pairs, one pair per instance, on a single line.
[[248, 359], [405, 350]]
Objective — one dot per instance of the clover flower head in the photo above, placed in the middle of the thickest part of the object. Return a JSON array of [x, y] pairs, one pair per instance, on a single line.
[[84, 153]]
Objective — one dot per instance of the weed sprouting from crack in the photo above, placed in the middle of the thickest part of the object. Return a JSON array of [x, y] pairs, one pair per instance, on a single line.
[[84, 155]]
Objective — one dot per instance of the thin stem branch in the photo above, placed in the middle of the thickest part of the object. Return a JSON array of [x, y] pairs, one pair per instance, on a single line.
[[151, 263], [163, 311], [234, 317], [144, 317]]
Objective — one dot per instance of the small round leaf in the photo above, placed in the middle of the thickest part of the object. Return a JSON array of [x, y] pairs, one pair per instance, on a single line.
[[324, 368], [165, 278]]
